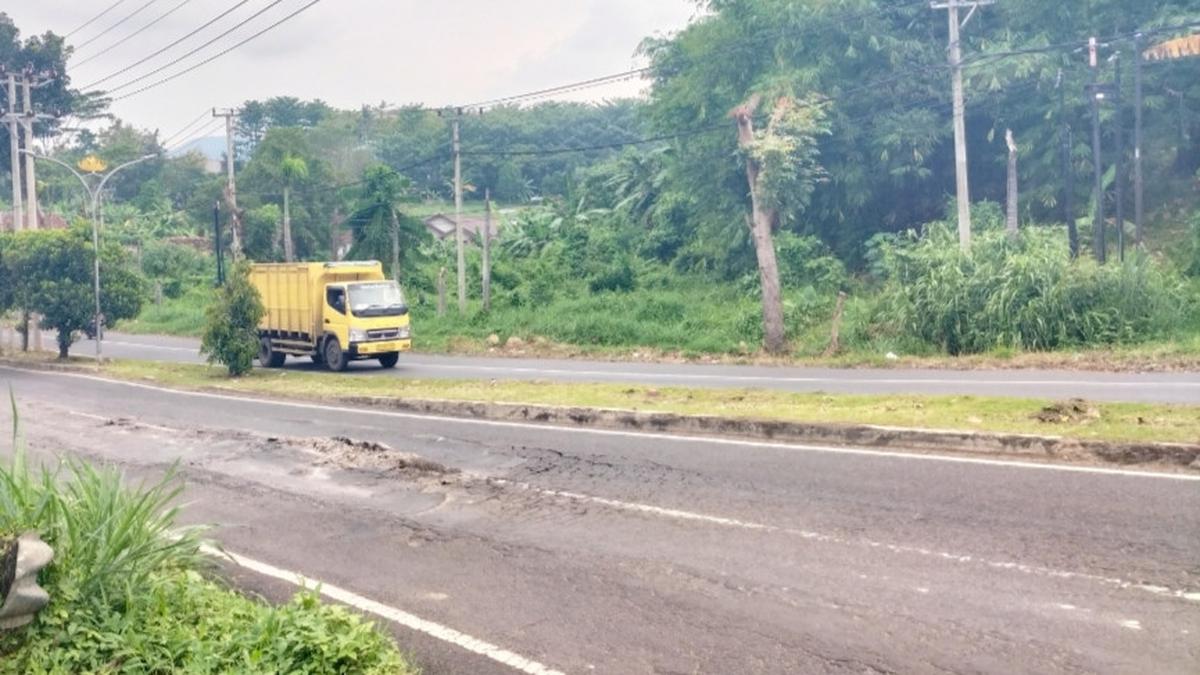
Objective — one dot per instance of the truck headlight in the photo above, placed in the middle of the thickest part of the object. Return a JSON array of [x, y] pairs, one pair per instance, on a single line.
[[357, 335], [404, 333]]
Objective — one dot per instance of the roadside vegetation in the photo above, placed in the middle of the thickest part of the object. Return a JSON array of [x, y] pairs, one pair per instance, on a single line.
[[132, 592], [1101, 421]]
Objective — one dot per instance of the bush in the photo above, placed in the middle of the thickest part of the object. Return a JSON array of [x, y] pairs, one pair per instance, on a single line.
[[127, 594], [176, 267], [231, 323], [1023, 295]]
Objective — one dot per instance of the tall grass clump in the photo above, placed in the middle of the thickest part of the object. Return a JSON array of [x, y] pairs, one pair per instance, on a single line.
[[1024, 294], [129, 593]]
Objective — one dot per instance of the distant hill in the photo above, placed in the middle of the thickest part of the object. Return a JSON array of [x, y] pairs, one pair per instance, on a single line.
[[212, 147]]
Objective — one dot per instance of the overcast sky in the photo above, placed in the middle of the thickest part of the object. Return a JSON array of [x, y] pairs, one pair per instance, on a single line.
[[350, 52]]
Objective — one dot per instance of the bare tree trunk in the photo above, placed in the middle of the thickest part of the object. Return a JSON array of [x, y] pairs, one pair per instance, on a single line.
[[487, 250], [235, 224], [289, 253], [395, 247], [1012, 224], [335, 225], [761, 223]]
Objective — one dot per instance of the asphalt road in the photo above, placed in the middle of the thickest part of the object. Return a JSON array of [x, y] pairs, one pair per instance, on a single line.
[[1131, 387], [582, 551]]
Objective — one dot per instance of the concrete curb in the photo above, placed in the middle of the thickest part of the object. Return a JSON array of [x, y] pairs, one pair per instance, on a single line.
[[1176, 455], [970, 443]]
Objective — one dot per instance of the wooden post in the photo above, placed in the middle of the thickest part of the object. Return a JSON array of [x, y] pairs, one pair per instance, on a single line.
[[835, 344], [441, 285]]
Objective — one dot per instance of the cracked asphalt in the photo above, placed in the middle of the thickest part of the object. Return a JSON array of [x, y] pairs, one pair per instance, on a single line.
[[635, 553]]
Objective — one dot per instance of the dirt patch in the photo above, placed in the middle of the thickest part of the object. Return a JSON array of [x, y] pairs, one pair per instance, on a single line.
[[1074, 410], [347, 453]]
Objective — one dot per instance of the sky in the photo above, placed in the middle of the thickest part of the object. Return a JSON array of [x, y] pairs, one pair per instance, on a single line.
[[352, 52]]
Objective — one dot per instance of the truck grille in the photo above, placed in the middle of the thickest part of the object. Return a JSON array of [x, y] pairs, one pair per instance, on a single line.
[[383, 334]]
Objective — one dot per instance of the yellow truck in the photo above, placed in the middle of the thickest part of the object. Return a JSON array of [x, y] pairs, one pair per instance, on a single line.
[[333, 312]]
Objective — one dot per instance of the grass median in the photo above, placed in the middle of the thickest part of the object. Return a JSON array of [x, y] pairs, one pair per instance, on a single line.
[[1082, 420]]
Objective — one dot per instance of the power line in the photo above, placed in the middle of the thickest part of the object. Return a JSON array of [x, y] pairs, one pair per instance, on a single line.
[[106, 31], [189, 125], [204, 132], [193, 52], [219, 54], [174, 44], [94, 19], [132, 35], [563, 88]]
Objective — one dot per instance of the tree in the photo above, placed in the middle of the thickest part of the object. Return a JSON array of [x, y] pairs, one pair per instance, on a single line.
[[291, 171], [379, 227], [231, 323], [272, 171], [781, 170], [52, 270]]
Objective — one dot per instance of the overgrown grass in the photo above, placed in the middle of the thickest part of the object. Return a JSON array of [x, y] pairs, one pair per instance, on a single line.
[[182, 316], [1112, 421], [128, 594]]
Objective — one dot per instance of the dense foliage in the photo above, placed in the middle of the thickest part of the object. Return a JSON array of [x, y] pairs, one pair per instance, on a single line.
[[51, 273], [127, 593], [231, 323]]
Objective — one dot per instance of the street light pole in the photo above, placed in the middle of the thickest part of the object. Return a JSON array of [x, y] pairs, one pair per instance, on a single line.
[[94, 207]]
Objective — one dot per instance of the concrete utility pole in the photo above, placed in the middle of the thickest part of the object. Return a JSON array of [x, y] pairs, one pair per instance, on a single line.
[[962, 178], [1099, 244], [487, 249], [1119, 180], [1139, 212], [14, 138], [235, 216], [1012, 220], [31, 203], [458, 224]]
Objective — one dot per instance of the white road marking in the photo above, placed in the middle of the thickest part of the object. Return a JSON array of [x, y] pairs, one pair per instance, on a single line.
[[836, 450], [850, 379], [1132, 624], [1192, 596], [410, 621]]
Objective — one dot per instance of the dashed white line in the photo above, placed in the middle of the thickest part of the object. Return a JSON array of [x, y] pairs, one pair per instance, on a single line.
[[398, 616], [1191, 596], [836, 450]]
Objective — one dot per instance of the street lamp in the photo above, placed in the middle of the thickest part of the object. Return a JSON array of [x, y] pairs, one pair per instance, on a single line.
[[94, 208]]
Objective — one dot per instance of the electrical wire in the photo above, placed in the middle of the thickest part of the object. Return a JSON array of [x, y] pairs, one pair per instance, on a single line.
[[94, 19], [204, 132], [132, 35], [106, 31], [218, 55], [166, 141], [174, 44], [193, 52]]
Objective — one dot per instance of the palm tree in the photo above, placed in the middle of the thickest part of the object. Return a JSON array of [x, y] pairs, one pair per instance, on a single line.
[[291, 170], [377, 221]]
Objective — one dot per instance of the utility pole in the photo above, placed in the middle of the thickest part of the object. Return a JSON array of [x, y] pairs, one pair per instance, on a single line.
[[487, 249], [1139, 212], [1068, 170], [1099, 245], [14, 139], [217, 248], [1012, 219], [1119, 180], [961, 177], [235, 216], [31, 203], [458, 224]]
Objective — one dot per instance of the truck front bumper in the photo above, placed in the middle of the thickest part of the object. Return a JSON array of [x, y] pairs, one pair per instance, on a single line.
[[367, 349]]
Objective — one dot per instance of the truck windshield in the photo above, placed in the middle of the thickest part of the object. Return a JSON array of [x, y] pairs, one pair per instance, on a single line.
[[377, 299]]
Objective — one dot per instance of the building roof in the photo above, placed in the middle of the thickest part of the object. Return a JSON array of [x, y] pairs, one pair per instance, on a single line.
[[442, 226]]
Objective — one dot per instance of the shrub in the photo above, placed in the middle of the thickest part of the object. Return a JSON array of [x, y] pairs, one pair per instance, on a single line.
[[1025, 295], [231, 323]]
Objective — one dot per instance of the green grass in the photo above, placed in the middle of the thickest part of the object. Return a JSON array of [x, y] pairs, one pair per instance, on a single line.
[[182, 316], [130, 591], [1111, 421]]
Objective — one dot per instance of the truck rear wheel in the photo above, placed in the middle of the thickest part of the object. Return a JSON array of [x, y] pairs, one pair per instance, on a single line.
[[268, 356], [389, 360], [335, 359]]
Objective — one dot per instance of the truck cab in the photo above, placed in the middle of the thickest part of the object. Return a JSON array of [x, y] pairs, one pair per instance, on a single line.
[[334, 313]]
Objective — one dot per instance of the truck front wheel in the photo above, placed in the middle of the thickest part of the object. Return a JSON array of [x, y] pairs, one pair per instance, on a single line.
[[268, 356], [335, 359], [389, 360]]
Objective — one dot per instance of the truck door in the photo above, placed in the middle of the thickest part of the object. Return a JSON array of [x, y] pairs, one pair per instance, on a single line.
[[336, 320]]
